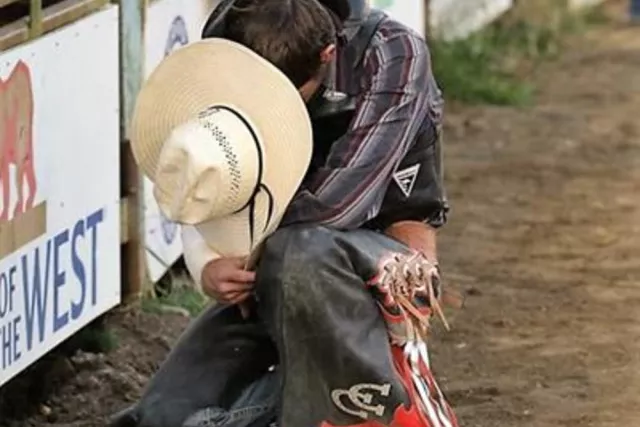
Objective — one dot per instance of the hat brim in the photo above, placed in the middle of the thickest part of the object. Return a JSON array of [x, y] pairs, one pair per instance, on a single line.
[[220, 72]]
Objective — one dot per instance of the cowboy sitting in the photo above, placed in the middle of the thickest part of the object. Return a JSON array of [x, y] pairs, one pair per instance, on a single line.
[[333, 331]]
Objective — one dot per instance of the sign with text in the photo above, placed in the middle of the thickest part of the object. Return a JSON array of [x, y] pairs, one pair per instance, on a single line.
[[59, 178], [170, 24]]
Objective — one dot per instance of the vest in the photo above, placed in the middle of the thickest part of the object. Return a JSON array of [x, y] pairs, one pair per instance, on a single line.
[[416, 191]]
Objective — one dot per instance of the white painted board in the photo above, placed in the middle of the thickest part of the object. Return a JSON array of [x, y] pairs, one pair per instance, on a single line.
[[170, 24], [60, 134]]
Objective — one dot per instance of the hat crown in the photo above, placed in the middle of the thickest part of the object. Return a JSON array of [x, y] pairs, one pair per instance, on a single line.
[[196, 179], [209, 167]]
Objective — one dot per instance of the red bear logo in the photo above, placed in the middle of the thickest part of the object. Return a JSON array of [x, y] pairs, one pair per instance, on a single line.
[[16, 140]]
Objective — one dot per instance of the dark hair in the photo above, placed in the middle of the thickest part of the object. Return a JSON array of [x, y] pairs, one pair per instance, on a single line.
[[341, 8], [291, 34]]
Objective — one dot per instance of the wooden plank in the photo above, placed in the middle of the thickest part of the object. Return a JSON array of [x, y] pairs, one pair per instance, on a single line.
[[4, 3], [134, 268], [427, 19], [124, 220], [14, 34], [68, 11], [131, 57], [43, 21], [35, 18], [133, 256]]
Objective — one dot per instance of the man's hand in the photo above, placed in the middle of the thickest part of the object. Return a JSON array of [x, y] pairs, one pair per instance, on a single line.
[[226, 280]]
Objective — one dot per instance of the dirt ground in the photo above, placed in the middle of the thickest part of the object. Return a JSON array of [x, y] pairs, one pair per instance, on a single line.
[[545, 233], [542, 239]]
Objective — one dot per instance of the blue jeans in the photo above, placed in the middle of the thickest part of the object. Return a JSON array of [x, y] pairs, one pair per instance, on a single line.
[[256, 407], [220, 374]]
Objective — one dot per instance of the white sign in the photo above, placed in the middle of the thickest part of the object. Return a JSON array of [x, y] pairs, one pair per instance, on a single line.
[[452, 19], [409, 12], [584, 3], [60, 184], [170, 24]]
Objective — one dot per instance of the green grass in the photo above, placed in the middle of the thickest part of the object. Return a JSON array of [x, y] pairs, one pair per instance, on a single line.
[[479, 69], [175, 293], [469, 70], [96, 337], [95, 340], [186, 299]]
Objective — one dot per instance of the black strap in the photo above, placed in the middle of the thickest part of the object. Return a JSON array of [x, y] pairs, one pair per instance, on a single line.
[[216, 24], [252, 212], [260, 187]]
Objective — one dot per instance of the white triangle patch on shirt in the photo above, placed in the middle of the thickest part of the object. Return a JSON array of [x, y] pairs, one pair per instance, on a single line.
[[406, 178]]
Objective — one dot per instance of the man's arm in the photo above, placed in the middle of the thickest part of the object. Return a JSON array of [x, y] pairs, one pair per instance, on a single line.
[[196, 252], [349, 190]]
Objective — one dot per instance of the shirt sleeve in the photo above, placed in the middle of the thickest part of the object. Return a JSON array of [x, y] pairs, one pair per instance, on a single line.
[[196, 252], [349, 189]]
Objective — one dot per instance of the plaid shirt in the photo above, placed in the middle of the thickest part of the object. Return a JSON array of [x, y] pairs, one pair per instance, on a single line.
[[397, 96]]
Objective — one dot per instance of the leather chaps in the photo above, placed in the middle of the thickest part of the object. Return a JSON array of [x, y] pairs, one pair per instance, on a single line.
[[316, 351]]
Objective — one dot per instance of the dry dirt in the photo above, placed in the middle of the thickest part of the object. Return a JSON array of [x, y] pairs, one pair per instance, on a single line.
[[545, 235], [81, 389], [543, 239]]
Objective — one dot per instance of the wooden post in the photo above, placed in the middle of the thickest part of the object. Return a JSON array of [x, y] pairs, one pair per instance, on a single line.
[[35, 18], [134, 272], [427, 19]]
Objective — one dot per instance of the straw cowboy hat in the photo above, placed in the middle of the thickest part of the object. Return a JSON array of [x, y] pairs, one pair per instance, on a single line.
[[226, 139]]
